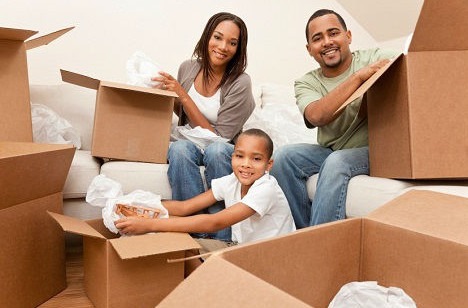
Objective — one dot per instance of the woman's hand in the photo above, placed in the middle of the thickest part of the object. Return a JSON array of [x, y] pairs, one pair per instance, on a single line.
[[135, 225], [167, 82]]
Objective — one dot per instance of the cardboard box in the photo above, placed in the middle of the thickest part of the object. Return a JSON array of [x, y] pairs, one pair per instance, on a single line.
[[417, 108], [128, 271], [32, 252], [130, 122], [417, 242], [14, 98]]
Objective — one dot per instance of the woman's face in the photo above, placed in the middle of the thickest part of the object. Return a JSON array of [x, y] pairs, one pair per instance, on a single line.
[[222, 45]]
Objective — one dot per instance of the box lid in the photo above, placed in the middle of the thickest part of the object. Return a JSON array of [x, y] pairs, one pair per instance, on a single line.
[[74, 225], [93, 83], [438, 24], [428, 212], [23, 35], [219, 283], [129, 247], [15, 34], [123, 86], [31, 170], [368, 83], [80, 80], [46, 39]]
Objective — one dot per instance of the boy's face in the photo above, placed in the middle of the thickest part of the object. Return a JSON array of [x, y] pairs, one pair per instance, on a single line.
[[250, 159]]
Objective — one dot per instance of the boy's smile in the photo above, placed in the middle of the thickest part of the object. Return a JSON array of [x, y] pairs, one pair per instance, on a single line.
[[250, 160]]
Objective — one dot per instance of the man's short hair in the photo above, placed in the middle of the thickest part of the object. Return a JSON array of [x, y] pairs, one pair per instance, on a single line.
[[323, 12]]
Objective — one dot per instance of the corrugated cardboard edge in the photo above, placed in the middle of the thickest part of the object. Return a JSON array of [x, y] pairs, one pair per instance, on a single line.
[[16, 34], [129, 247], [94, 84], [367, 84], [226, 285], [80, 80], [46, 39], [73, 225], [124, 86]]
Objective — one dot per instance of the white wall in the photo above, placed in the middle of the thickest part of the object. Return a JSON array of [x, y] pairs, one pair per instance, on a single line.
[[108, 32]]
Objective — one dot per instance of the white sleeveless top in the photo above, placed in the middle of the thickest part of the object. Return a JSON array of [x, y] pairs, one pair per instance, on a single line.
[[209, 106]]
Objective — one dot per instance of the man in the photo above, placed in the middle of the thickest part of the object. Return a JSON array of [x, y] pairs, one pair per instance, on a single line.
[[342, 150]]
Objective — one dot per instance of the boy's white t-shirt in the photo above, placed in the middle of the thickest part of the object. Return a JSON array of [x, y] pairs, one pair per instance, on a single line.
[[273, 216]]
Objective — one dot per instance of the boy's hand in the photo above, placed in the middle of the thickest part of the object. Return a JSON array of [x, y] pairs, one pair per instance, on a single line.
[[134, 225]]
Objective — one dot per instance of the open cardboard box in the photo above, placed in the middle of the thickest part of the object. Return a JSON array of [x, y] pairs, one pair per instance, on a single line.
[[417, 242], [15, 108], [129, 271], [417, 106], [32, 252], [130, 122]]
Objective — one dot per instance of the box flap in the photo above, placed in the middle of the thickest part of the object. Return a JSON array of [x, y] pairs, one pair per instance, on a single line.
[[15, 34], [129, 247], [428, 212], [31, 170], [74, 225], [219, 283], [367, 84], [80, 80], [123, 86], [46, 39], [438, 23]]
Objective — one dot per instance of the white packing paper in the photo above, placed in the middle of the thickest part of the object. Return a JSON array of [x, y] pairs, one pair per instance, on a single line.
[[140, 70], [49, 127], [202, 137], [371, 295], [107, 193]]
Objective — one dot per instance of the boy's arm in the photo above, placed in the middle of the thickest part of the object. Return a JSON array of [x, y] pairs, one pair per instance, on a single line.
[[197, 223], [190, 206]]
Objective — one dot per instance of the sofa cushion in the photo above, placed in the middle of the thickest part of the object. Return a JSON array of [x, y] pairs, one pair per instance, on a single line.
[[137, 175], [83, 169], [457, 188], [366, 193]]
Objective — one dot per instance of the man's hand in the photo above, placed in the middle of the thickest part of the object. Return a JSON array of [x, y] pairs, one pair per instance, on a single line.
[[367, 71]]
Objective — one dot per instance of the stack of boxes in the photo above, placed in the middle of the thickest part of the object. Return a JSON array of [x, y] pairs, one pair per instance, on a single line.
[[131, 123], [31, 182]]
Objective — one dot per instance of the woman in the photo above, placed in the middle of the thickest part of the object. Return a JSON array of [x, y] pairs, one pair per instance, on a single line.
[[216, 94]]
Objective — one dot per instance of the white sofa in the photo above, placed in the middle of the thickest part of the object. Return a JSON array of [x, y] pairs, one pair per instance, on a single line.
[[276, 113]]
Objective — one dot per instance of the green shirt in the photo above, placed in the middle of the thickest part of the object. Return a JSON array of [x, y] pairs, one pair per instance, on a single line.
[[349, 130]]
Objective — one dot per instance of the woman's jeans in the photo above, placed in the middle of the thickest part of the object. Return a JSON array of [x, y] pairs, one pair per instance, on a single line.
[[185, 159], [295, 163]]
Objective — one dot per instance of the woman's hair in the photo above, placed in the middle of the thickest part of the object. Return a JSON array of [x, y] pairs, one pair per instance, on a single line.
[[237, 64], [261, 134], [323, 12]]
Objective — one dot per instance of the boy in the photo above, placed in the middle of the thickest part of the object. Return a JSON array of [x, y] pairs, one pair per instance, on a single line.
[[256, 207]]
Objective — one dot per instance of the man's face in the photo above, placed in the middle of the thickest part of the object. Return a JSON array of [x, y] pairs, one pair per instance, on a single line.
[[328, 44]]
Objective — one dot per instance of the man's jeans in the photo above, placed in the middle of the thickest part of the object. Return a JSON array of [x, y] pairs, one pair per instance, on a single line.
[[185, 159], [295, 163]]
